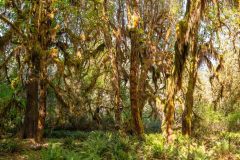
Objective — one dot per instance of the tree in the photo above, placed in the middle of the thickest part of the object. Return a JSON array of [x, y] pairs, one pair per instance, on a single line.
[[135, 38], [115, 59], [186, 44]]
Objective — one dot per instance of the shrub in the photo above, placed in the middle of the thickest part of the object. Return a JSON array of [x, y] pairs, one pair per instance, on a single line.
[[108, 145], [9, 146], [222, 147], [154, 146], [56, 152], [98, 145], [208, 122], [66, 133], [234, 121], [228, 142], [68, 143], [182, 148]]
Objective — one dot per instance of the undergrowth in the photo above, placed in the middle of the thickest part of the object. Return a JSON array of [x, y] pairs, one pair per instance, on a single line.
[[99, 145]]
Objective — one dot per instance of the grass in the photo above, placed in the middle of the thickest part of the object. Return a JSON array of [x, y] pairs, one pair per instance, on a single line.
[[99, 145]]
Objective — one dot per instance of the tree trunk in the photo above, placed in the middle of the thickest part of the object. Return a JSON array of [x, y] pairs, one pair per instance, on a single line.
[[167, 123], [135, 38], [44, 41], [142, 80], [134, 74], [116, 88], [187, 113], [186, 31], [31, 113], [42, 104], [114, 56], [117, 99], [115, 79]]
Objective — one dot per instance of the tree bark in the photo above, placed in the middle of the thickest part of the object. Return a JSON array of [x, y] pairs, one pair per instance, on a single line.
[[142, 80], [187, 113], [114, 56], [135, 38], [44, 42], [134, 74], [167, 124], [117, 99], [34, 121], [31, 112], [186, 32], [42, 104]]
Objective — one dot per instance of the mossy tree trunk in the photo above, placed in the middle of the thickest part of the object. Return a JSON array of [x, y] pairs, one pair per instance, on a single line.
[[146, 63], [135, 38], [187, 113], [46, 35], [40, 42], [42, 103], [114, 55], [186, 32], [134, 73], [167, 124], [117, 98], [31, 112]]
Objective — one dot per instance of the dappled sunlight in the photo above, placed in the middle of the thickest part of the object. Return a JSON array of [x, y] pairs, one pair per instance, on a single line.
[[119, 79]]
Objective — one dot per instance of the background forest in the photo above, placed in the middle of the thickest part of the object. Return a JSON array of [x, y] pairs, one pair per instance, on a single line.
[[119, 79]]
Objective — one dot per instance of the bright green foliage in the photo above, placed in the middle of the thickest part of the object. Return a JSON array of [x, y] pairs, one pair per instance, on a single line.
[[55, 152], [109, 145], [87, 47], [157, 148], [184, 148], [98, 145], [234, 121], [11, 107], [207, 121], [6, 93]]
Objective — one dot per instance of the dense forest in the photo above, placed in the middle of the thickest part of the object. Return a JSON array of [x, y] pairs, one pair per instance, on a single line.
[[119, 79]]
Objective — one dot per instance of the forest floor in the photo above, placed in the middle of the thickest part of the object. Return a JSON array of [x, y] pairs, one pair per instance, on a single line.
[[96, 145]]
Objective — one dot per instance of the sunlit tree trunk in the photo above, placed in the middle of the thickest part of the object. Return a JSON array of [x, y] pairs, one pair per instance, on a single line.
[[134, 73], [187, 113], [114, 56], [46, 35], [167, 124], [135, 37], [142, 80], [116, 88], [186, 32]]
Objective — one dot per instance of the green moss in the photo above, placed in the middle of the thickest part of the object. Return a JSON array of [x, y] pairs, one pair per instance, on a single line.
[[181, 28]]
